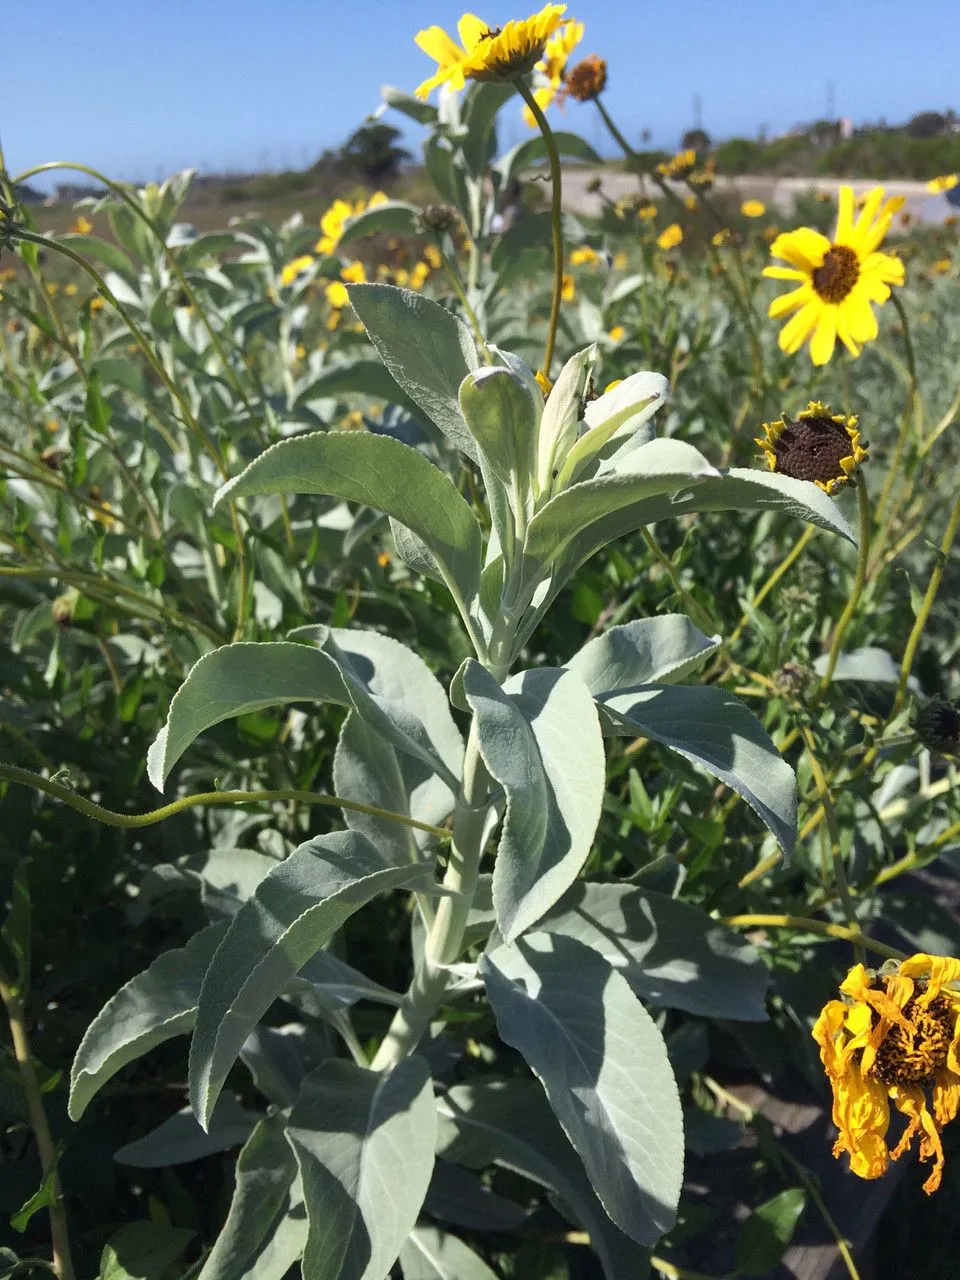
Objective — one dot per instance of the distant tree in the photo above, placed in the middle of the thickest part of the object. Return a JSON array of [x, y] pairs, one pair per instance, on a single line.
[[695, 140], [825, 133], [372, 152], [928, 124]]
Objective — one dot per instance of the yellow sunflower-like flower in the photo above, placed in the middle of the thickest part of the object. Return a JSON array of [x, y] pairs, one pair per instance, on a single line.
[[817, 445], [670, 236], [946, 182], [80, 226], [583, 254], [837, 281], [894, 1036], [488, 53], [568, 290], [753, 208], [678, 166]]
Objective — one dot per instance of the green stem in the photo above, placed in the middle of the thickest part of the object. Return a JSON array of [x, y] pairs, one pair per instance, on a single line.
[[110, 818], [863, 552], [445, 937], [923, 614], [556, 221], [458, 288], [807, 924], [909, 416], [59, 1235]]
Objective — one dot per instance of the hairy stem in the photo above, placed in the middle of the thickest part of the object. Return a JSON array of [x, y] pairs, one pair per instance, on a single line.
[[59, 1235]]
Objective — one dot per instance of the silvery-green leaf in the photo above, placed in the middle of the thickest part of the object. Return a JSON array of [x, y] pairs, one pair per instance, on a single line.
[[367, 766], [179, 1139], [293, 913], [869, 664], [662, 649], [554, 793], [364, 1141], [362, 377], [395, 217], [713, 729], [508, 1123], [426, 348], [265, 1172], [670, 952], [422, 112], [604, 1066], [153, 1007], [503, 415], [481, 104], [249, 677], [533, 152], [739, 489], [142, 1251], [458, 1196], [381, 473], [660, 467], [432, 1254], [562, 414], [414, 552]]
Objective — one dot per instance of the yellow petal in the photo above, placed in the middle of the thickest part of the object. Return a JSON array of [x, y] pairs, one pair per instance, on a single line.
[[796, 331], [803, 248], [844, 215], [436, 44], [824, 336], [785, 273], [471, 30], [788, 302], [860, 319]]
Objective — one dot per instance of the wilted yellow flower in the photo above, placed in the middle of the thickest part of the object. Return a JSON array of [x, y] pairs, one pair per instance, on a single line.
[[753, 208], [80, 226], [294, 269], [552, 66], [670, 237], [894, 1036], [946, 182], [818, 445], [336, 295], [587, 80], [583, 254], [678, 166], [488, 53], [569, 290], [838, 280], [616, 334]]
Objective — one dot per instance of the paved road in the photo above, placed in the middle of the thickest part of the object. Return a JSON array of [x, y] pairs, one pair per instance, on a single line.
[[778, 193]]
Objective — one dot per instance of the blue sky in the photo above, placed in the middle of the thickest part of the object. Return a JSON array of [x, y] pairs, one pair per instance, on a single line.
[[141, 88]]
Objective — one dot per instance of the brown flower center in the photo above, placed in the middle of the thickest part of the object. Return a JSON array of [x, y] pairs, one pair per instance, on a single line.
[[837, 274], [587, 79], [912, 1058], [811, 449]]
